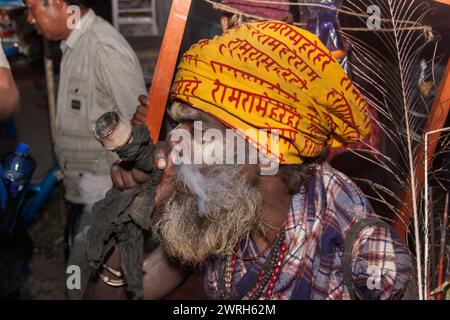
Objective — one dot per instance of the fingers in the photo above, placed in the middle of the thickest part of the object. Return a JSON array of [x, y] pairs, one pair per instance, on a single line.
[[169, 169], [140, 115], [116, 176], [135, 123], [121, 178], [128, 180], [124, 179], [162, 150], [140, 177], [143, 100]]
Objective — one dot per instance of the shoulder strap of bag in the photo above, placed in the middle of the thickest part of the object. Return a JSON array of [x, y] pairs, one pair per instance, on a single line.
[[349, 241]]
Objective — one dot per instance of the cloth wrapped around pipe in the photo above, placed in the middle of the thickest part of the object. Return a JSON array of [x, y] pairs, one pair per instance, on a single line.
[[123, 217]]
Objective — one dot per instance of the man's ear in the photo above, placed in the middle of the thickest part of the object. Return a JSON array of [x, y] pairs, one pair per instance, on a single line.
[[58, 4], [224, 23], [63, 8]]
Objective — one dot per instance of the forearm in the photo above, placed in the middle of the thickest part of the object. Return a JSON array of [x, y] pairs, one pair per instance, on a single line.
[[162, 276], [98, 290], [9, 95]]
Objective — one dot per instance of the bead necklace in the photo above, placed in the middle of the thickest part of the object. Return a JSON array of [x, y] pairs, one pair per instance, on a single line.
[[267, 278]]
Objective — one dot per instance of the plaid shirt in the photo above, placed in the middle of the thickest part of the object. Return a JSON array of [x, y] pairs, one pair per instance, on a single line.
[[317, 224]]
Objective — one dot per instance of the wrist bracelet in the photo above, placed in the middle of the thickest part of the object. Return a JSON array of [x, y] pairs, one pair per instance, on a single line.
[[111, 282], [113, 271]]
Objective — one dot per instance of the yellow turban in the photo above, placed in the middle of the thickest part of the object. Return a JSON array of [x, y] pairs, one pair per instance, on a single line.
[[279, 78]]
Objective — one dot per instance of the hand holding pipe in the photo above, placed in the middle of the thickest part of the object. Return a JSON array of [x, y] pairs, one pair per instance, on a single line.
[[116, 134], [134, 147]]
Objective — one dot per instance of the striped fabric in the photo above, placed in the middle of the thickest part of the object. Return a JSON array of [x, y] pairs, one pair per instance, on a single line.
[[319, 219]]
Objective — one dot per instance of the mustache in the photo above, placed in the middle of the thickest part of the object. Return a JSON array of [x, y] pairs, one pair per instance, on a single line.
[[207, 183]]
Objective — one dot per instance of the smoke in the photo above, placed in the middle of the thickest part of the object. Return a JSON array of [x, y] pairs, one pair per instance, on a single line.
[[198, 185], [210, 186]]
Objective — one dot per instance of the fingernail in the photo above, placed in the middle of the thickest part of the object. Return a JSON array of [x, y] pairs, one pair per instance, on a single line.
[[161, 164]]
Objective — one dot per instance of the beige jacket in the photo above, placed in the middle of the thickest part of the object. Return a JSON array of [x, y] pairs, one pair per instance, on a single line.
[[99, 73]]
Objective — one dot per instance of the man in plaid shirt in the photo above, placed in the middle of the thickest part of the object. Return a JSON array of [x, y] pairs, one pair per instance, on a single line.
[[317, 206], [303, 232], [318, 221]]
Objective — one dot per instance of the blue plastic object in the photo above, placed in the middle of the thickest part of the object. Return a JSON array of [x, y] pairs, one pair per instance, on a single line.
[[40, 194], [17, 170], [11, 51], [23, 148], [26, 205], [11, 4]]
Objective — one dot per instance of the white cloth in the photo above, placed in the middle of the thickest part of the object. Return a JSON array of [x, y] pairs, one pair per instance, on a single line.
[[3, 61]]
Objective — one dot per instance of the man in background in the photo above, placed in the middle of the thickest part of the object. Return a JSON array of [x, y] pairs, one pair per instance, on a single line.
[[99, 73], [9, 95]]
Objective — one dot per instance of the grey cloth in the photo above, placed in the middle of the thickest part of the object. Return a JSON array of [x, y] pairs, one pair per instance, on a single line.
[[123, 217]]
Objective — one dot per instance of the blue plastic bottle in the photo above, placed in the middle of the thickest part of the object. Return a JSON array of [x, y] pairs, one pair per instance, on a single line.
[[17, 170]]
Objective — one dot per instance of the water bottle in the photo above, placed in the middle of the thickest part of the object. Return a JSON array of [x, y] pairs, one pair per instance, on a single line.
[[17, 170]]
